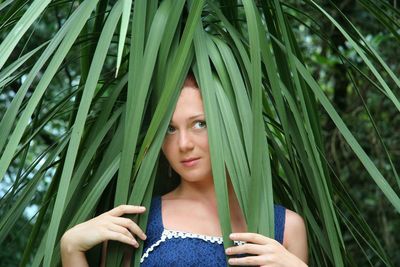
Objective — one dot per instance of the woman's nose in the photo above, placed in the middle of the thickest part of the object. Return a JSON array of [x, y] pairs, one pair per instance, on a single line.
[[185, 141]]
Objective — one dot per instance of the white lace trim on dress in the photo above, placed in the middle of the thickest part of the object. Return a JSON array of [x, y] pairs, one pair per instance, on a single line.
[[169, 234]]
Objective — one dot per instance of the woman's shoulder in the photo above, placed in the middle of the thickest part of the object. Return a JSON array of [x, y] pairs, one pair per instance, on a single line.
[[295, 237], [294, 224]]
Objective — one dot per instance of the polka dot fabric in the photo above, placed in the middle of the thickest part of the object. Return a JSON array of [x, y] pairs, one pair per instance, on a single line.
[[165, 247]]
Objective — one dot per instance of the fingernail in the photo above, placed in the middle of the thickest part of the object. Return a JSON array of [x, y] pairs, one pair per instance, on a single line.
[[135, 244], [232, 236], [144, 236], [228, 250], [142, 208]]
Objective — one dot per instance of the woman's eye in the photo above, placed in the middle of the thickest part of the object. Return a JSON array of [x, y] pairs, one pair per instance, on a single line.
[[170, 129], [200, 125]]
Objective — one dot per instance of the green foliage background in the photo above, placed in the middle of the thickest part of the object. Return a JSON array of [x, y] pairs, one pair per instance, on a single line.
[[367, 218]]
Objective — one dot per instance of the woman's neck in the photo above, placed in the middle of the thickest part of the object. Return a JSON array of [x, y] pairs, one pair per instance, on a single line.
[[204, 192]]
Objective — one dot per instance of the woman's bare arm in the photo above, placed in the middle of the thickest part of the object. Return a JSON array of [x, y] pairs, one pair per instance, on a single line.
[[107, 226], [295, 237]]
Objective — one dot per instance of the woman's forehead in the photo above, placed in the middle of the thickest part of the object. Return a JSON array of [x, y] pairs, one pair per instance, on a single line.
[[189, 105]]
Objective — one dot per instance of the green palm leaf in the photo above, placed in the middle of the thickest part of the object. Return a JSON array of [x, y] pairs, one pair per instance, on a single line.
[[89, 107]]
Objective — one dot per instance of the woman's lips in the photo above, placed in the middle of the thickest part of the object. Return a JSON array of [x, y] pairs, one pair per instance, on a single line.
[[190, 162]]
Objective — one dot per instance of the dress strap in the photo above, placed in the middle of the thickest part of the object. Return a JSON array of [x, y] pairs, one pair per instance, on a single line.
[[154, 221], [280, 216]]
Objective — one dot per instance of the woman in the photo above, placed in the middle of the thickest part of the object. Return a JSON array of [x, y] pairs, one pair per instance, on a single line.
[[175, 234]]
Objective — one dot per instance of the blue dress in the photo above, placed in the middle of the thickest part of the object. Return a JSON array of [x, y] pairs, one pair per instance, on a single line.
[[164, 247]]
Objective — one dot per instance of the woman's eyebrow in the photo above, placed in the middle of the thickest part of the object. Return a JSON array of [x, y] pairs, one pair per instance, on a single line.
[[189, 119], [196, 116]]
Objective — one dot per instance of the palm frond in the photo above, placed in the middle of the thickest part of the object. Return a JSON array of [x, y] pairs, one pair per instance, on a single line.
[[264, 109]]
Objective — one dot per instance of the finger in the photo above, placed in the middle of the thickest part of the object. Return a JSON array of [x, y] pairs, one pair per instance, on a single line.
[[117, 236], [131, 225], [120, 229], [251, 237], [246, 249], [126, 209], [246, 261]]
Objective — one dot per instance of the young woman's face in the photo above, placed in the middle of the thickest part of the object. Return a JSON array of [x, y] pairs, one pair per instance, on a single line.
[[186, 142]]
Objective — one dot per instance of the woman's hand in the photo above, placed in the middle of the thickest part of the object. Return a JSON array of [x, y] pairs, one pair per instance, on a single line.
[[107, 226], [266, 252]]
